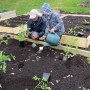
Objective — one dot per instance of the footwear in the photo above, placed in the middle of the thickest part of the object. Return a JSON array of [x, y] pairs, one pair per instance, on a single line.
[[40, 49]]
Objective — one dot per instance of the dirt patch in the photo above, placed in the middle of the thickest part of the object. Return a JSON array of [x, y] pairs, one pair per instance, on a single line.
[[72, 75], [15, 22], [77, 23]]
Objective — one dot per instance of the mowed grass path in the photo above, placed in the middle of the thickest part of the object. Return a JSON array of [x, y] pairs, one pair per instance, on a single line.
[[24, 6]]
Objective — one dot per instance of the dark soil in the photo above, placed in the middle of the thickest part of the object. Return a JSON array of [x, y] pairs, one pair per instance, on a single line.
[[71, 75], [71, 22], [15, 22]]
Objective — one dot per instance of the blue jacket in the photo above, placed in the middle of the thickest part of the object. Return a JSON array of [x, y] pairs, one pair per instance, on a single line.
[[38, 26], [54, 21]]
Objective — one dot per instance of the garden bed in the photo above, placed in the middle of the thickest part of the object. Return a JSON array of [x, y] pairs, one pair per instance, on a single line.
[[77, 27], [72, 75], [11, 26]]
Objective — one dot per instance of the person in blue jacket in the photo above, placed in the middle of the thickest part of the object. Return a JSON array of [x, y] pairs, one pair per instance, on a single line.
[[36, 24], [54, 22]]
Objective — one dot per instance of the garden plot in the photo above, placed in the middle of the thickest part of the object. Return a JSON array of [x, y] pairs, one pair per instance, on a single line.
[[13, 25], [70, 75], [77, 28]]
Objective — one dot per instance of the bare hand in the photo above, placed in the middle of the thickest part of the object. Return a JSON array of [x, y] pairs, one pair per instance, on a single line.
[[43, 37], [52, 30]]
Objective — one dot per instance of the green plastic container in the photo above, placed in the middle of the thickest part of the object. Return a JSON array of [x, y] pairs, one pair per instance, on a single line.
[[53, 39]]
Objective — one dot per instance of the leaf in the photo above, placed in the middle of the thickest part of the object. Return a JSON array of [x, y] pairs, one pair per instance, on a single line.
[[48, 88], [84, 88]]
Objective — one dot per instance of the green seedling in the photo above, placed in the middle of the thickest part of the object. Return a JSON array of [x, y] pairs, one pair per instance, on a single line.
[[84, 88], [72, 32], [21, 36], [22, 32], [4, 41], [42, 83], [86, 22], [3, 59], [78, 27], [6, 22], [67, 48], [88, 58]]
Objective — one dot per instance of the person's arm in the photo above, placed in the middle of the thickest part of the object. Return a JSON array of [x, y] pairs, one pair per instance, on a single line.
[[28, 29], [29, 25], [59, 24], [43, 27]]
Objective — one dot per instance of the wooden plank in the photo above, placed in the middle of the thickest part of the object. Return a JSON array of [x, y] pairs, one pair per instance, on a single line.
[[72, 50], [7, 15], [76, 15], [9, 30], [81, 42], [15, 30], [88, 38]]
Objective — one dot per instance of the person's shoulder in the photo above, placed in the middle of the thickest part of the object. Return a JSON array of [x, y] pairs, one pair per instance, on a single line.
[[56, 14], [43, 18], [29, 21]]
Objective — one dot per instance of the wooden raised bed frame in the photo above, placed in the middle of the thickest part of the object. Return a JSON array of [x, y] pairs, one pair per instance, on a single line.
[[7, 15], [11, 30], [81, 41]]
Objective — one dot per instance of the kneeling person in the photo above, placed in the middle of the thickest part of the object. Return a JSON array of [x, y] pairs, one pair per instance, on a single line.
[[36, 24]]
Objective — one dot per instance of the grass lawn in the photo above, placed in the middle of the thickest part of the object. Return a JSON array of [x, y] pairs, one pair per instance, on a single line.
[[24, 6]]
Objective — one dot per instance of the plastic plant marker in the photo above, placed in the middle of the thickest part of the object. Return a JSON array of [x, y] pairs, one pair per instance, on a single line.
[[46, 76], [65, 58], [34, 45], [80, 34]]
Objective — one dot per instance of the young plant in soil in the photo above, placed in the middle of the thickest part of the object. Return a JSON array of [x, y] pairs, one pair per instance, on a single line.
[[67, 49], [4, 40], [84, 88], [72, 32], [21, 36], [42, 83], [3, 59], [88, 58], [6, 22], [86, 22]]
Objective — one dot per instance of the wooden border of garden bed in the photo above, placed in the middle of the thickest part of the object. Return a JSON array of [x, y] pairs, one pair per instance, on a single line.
[[72, 50], [7, 15], [81, 42], [11, 30]]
